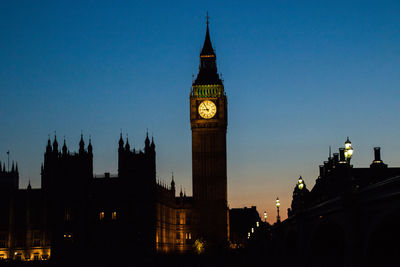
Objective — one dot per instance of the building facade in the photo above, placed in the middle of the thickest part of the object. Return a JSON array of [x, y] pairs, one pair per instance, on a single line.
[[76, 214], [350, 216]]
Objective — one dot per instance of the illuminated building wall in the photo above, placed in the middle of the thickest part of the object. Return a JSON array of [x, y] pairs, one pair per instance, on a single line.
[[174, 232], [23, 234]]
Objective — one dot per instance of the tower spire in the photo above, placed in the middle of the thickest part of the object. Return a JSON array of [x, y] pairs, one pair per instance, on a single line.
[[208, 67], [147, 143], [127, 146], [90, 147], [173, 183], [121, 141], [81, 145], [207, 46], [48, 147], [55, 143], [64, 148]]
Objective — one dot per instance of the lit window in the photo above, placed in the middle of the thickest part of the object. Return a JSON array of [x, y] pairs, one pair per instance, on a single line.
[[114, 215], [67, 235], [36, 256], [3, 240], [36, 239], [190, 235], [67, 216], [101, 215]]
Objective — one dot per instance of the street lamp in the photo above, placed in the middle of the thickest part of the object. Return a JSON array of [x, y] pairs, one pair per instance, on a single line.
[[300, 183], [348, 150], [278, 218], [265, 216]]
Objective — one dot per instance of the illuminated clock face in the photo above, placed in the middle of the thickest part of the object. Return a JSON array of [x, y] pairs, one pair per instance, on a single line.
[[207, 109]]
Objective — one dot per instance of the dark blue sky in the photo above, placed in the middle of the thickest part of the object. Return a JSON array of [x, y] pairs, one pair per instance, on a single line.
[[299, 76]]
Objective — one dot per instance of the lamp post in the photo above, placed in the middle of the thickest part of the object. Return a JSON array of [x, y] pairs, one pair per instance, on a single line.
[[348, 150], [300, 183], [278, 218], [265, 216]]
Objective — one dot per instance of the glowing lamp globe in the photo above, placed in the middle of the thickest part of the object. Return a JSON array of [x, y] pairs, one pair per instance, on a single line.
[[277, 202]]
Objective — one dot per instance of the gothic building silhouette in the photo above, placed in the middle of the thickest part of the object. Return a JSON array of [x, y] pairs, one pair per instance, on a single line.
[[78, 214]]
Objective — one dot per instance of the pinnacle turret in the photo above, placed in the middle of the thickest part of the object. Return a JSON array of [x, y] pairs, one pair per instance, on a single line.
[[90, 147], [127, 146], [147, 143], [48, 147], [55, 144], [173, 183], [64, 148], [81, 145], [120, 143], [152, 145]]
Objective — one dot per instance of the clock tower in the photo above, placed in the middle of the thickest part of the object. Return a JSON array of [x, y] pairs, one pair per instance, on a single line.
[[208, 120]]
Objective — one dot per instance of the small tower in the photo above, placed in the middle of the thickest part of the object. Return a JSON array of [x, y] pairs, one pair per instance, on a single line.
[[173, 184], [127, 146], [90, 148], [152, 145], [147, 144], [48, 147], [64, 148], [120, 143], [81, 145], [55, 144]]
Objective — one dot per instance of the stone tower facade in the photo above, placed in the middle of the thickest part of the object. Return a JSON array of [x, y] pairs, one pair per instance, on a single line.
[[208, 119]]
